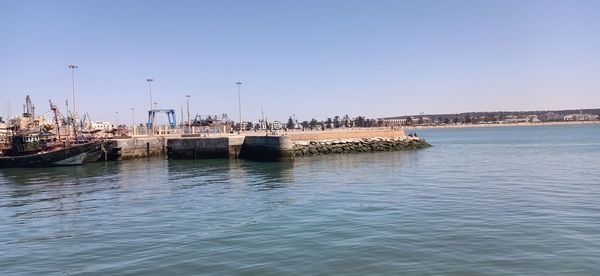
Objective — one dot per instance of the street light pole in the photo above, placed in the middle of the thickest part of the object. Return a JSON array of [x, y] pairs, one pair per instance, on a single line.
[[188, 110], [132, 119], [239, 84], [73, 67], [150, 132], [117, 115], [150, 89]]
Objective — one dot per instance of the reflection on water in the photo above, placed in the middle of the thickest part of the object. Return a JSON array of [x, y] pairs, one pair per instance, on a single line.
[[61, 184], [269, 174], [35, 193], [58, 175]]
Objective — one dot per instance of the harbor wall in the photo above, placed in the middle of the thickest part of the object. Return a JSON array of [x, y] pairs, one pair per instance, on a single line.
[[270, 148], [133, 148], [267, 148], [204, 147]]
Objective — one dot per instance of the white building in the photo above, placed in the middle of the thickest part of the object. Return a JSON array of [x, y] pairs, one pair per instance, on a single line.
[[394, 122], [581, 117], [276, 125], [101, 125]]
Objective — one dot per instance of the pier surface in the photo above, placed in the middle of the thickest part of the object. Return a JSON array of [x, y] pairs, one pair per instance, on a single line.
[[345, 134]]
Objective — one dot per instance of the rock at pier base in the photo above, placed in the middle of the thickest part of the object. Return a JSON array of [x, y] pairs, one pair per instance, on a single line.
[[308, 148]]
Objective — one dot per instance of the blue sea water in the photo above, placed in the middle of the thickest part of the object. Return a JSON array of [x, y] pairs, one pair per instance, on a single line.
[[481, 201]]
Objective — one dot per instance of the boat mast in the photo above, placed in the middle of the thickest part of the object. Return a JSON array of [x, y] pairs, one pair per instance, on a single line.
[[55, 110]]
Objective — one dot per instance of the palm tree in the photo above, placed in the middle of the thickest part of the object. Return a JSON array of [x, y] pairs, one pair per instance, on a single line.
[[290, 123], [313, 123], [336, 122]]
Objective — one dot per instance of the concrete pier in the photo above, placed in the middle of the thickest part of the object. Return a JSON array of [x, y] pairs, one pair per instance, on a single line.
[[204, 147], [132, 148], [286, 146], [267, 148]]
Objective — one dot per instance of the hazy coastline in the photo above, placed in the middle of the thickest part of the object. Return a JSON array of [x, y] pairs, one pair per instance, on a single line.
[[505, 125]]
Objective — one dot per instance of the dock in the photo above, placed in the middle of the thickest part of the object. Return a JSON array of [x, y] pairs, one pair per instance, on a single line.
[[263, 146]]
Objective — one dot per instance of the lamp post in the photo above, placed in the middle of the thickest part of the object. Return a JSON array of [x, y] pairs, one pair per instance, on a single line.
[[117, 116], [150, 132], [182, 120], [188, 110], [155, 104], [132, 119], [239, 84], [73, 67], [150, 89]]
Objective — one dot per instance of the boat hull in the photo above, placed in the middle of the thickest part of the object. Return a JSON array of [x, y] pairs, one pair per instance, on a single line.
[[70, 156], [108, 151]]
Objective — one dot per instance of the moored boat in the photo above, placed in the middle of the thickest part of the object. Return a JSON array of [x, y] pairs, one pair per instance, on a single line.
[[4, 145], [107, 151], [62, 156], [30, 141], [4, 139]]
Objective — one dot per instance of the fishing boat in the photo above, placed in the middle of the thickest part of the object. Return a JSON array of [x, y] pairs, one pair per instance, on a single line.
[[107, 151], [4, 145], [4, 139], [29, 143], [59, 156]]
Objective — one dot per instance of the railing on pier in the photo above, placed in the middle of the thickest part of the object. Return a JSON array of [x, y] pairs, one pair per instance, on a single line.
[[166, 130]]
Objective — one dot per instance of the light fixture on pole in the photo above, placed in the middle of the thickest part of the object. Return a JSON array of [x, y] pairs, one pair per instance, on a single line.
[[73, 67], [239, 84], [188, 110], [150, 115], [150, 89], [132, 118]]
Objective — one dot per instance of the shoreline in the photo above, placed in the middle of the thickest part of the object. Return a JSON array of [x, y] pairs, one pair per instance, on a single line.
[[507, 125]]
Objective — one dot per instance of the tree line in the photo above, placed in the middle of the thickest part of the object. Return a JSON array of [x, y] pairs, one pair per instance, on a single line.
[[335, 122]]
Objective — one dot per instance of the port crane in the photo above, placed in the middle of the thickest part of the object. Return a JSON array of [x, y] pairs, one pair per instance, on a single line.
[[170, 116], [208, 120]]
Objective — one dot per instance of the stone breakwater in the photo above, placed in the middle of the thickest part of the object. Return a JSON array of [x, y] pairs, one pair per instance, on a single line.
[[308, 148]]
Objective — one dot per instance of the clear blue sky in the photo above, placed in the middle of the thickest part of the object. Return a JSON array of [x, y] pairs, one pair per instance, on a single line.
[[309, 58]]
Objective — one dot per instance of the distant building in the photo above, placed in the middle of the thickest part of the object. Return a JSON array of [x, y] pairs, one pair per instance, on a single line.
[[551, 116], [514, 119], [426, 120], [533, 119], [101, 125], [581, 117], [394, 122], [276, 125], [260, 125], [247, 125]]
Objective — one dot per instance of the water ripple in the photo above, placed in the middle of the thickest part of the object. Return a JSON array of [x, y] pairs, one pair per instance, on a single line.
[[495, 201]]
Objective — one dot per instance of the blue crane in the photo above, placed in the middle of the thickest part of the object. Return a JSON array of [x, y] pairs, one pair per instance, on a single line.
[[170, 116]]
